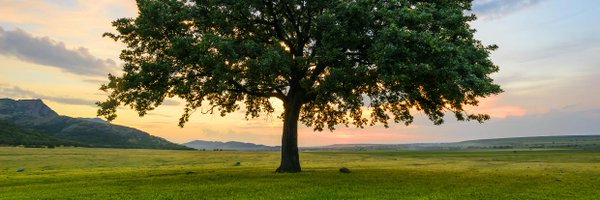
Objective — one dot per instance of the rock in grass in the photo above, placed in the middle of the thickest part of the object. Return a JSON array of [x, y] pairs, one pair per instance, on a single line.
[[21, 169], [344, 170], [238, 163]]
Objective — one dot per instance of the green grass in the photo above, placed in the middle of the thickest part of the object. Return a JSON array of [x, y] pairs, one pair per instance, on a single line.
[[85, 173]]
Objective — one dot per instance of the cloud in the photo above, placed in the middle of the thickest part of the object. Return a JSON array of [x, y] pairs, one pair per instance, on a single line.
[[17, 92], [46, 51], [95, 81], [158, 115], [496, 109], [493, 9], [569, 120], [542, 93]]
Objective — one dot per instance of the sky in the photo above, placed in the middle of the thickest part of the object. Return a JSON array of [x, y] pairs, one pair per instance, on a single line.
[[549, 59]]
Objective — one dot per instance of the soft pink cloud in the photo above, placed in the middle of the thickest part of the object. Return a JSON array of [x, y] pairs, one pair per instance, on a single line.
[[496, 109]]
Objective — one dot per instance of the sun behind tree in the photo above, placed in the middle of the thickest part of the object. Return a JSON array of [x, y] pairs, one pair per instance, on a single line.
[[324, 60]]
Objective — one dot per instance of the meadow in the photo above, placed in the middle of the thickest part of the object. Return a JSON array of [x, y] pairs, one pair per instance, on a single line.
[[88, 173]]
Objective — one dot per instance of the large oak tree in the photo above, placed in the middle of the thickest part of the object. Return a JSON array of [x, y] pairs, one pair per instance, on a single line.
[[326, 60]]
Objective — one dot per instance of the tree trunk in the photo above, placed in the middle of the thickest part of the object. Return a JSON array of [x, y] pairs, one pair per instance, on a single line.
[[290, 160]]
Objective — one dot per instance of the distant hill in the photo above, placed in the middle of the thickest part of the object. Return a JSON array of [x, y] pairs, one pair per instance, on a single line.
[[580, 141], [563, 141], [232, 145], [33, 122]]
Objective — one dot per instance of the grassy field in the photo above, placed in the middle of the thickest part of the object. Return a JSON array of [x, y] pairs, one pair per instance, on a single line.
[[76, 173]]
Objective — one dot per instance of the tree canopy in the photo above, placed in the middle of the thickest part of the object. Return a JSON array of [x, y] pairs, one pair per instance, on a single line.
[[325, 60]]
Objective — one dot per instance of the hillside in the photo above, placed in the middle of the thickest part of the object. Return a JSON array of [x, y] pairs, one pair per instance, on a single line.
[[581, 141], [32, 122], [12, 134], [232, 145], [562, 141]]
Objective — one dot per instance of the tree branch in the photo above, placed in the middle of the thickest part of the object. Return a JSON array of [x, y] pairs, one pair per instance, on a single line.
[[318, 70], [266, 93], [276, 23]]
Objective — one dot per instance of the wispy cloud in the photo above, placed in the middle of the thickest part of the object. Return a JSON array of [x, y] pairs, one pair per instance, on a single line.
[[159, 115], [561, 49], [493, 9], [565, 121], [95, 81], [17, 92], [495, 109], [48, 52]]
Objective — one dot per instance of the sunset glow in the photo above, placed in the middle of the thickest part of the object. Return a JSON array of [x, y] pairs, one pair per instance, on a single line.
[[549, 59]]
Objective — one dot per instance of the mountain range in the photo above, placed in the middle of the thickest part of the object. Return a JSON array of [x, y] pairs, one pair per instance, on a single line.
[[31, 122], [232, 145], [560, 141]]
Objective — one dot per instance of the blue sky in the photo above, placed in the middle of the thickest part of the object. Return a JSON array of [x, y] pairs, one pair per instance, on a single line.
[[549, 60]]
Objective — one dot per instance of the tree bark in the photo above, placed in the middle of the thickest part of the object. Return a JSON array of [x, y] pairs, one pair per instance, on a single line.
[[290, 160]]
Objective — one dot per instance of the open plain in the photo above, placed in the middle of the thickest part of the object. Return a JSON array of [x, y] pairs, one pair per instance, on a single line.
[[102, 173]]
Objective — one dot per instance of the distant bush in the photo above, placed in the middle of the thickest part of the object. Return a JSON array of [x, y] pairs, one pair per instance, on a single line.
[[34, 146]]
